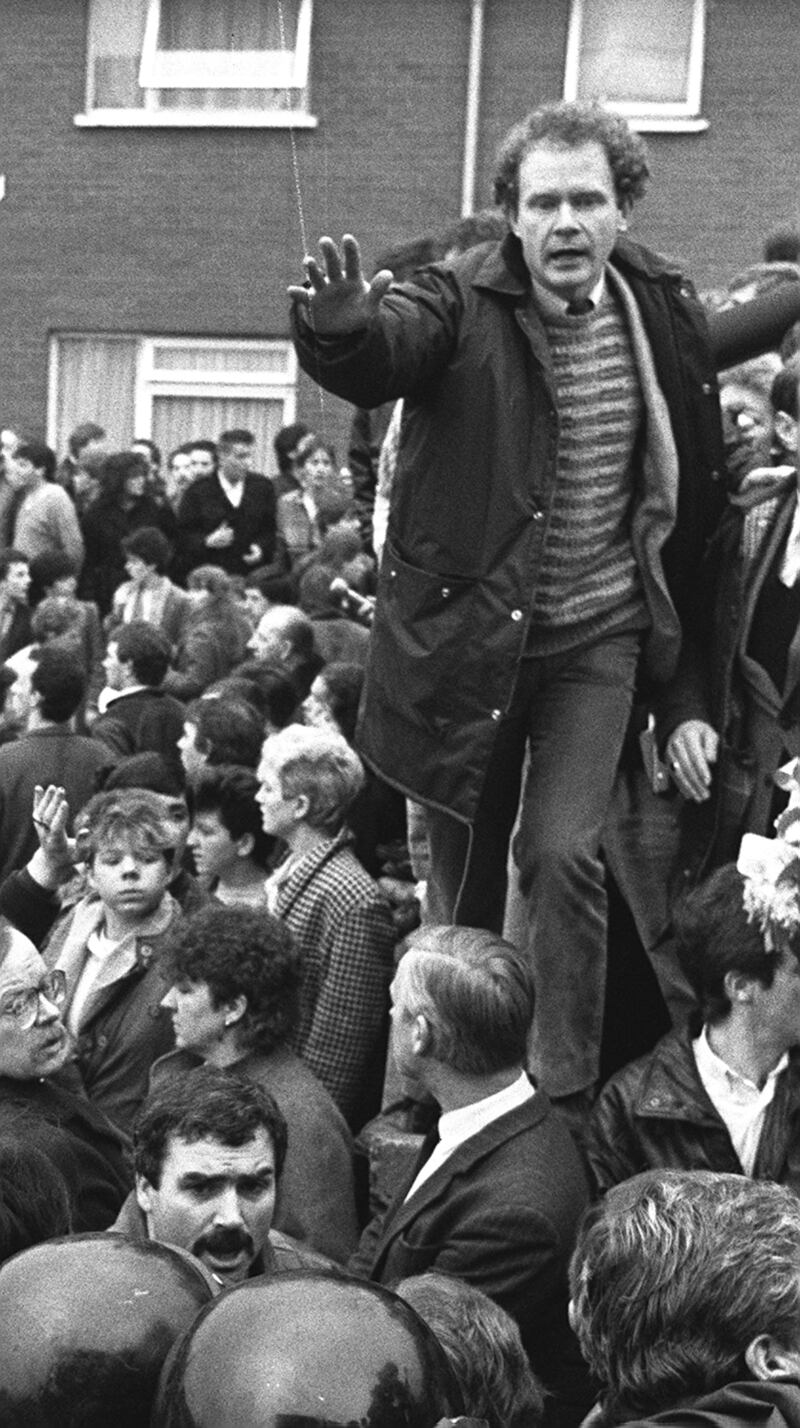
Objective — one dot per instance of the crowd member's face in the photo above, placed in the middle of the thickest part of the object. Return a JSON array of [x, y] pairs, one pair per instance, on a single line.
[[28, 1052], [20, 471], [567, 216], [116, 673], [317, 471], [137, 569], [215, 1200], [268, 640], [255, 605], [405, 1030], [17, 581], [214, 850], [192, 758], [20, 698], [778, 1006], [179, 475], [202, 462], [93, 451], [136, 484], [64, 585], [316, 707], [199, 1026], [747, 426], [130, 878], [279, 815], [175, 815], [235, 461]]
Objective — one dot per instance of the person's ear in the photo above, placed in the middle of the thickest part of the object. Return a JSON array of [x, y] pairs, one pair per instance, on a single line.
[[768, 1359], [302, 803], [245, 845], [738, 987], [786, 431], [235, 1010], [421, 1035], [144, 1194]]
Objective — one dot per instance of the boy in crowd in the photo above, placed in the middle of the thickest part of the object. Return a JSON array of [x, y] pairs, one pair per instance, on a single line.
[[230, 848], [109, 944], [341, 922]]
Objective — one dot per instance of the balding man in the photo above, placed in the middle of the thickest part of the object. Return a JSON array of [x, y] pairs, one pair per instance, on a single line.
[[285, 635]]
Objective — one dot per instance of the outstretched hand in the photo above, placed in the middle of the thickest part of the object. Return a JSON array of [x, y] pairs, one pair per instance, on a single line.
[[337, 297]]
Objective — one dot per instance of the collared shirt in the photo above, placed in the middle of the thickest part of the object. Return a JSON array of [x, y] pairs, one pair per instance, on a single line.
[[554, 306], [460, 1125], [234, 490], [738, 1100]]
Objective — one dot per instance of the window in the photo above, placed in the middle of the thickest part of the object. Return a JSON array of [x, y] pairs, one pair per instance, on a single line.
[[170, 388], [198, 62], [641, 58]]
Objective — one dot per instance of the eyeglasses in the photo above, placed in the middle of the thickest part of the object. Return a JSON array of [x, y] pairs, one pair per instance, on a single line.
[[23, 1006]]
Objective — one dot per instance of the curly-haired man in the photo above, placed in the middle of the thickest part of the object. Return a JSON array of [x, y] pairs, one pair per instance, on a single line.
[[554, 491]]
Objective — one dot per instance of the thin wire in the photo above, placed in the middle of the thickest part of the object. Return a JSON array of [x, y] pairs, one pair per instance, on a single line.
[[299, 194]]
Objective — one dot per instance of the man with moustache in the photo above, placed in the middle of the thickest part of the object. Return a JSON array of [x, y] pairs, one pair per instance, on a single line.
[[208, 1153]]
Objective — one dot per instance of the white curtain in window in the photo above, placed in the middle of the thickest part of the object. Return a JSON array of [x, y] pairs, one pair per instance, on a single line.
[[181, 418], [230, 25], [95, 381], [635, 51], [116, 31]]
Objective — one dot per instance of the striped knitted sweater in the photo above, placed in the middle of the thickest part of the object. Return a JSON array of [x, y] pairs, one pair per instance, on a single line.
[[589, 582]]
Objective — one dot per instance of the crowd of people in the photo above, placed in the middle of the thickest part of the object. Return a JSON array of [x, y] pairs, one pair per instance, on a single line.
[[291, 763]]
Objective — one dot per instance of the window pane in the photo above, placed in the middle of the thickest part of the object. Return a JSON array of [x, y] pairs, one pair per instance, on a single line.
[[96, 382], [116, 33], [635, 50], [177, 419], [268, 360], [234, 25]]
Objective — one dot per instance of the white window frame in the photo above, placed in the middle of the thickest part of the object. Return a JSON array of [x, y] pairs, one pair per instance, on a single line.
[[647, 116], [210, 69], [151, 381]]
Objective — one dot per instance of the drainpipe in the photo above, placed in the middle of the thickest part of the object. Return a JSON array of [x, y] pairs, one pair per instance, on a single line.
[[475, 64]]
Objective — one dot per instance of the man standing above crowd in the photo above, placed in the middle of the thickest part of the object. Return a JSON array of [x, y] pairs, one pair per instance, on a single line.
[[228, 517], [553, 495]]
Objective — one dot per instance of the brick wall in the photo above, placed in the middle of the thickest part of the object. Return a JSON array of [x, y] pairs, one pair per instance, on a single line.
[[198, 231]]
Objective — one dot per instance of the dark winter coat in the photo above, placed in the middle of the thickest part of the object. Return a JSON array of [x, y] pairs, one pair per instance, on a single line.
[[466, 350]]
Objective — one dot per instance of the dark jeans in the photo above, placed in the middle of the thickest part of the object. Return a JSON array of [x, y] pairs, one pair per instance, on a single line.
[[571, 711]]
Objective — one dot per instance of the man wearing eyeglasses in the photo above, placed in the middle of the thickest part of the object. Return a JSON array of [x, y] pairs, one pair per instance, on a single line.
[[39, 1099]]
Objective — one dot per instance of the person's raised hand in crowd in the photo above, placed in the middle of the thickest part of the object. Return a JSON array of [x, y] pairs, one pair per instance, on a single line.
[[53, 861], [692, 748], [337, 297]]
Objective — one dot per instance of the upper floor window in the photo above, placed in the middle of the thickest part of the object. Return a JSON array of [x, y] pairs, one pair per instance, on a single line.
[[198, 62], [641, 58]]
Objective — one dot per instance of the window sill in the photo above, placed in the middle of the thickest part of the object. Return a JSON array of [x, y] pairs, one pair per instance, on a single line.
[[195, 119], [650, 124]]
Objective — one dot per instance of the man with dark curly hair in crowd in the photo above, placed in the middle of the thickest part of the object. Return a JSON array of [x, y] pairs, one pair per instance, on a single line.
[[235, 1004], [554, 492]]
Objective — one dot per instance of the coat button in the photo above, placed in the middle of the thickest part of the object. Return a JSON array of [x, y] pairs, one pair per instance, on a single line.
[[707, 388], [516, 614], [445, 592], [536, 514], [497, 714]]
